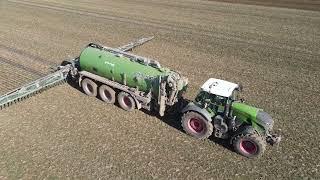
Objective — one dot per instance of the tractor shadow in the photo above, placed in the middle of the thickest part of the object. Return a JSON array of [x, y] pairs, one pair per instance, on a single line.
[[174, 121], [171, 120]]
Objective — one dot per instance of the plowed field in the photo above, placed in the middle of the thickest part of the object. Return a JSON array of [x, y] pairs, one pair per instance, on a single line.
[[61, 133]]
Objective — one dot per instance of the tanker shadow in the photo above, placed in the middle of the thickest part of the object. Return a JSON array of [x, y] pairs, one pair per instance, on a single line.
[[171, 120], [74, 85]]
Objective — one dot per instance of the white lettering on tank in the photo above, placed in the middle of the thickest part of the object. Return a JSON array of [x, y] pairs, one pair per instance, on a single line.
[[109, 63]]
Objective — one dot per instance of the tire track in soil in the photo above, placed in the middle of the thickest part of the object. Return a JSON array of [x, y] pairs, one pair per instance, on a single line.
[[169, 27], [28, 55], [19, 66], [304, 5], [16, 79], [271, 82], [204, 8], [166, 26]]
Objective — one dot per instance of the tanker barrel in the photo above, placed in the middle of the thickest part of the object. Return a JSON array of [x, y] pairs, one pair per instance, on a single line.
[[135, 72], [133, 57]]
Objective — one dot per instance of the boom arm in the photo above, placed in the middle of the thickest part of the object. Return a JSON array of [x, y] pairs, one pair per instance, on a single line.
[[34, 87], [54, 78], [131, 45]]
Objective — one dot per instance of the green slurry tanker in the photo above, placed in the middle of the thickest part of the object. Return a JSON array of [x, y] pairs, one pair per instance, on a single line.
[[136, 82]]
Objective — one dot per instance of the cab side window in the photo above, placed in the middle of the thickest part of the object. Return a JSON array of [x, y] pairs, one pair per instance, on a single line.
[[220, 103]]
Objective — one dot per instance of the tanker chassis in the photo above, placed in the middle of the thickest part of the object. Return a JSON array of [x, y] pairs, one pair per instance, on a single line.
[[136, 82]]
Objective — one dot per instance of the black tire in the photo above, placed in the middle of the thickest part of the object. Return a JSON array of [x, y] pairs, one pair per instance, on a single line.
[[196, 125], [89, 87], [64, 63], [126, 101], [107, 94], [249, 145]]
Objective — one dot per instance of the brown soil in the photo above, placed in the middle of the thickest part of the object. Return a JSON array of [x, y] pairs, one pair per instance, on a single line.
[[313, 5], [61, 133]]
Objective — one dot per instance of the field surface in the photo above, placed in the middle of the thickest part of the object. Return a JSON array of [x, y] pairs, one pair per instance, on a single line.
[[61, 133], [297, 4]]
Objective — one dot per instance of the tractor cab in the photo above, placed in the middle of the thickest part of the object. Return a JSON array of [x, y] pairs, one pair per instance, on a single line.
[[217, 95]]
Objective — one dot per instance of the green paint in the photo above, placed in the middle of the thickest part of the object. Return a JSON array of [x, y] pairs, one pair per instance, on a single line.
[[245, 112], [121, 69], [215, 105]]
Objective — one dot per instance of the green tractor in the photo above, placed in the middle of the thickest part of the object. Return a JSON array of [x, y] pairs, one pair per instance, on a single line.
[[217, 110]]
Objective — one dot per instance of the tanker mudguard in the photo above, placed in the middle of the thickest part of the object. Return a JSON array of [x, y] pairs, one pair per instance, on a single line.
[[192, 107]]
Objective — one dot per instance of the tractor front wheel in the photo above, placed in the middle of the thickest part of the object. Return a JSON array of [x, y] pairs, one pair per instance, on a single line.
[[249, 145], [196, 125]]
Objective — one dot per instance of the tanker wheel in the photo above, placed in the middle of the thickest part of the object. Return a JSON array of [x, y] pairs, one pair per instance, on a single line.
[[249, 145], [196, 125], [107, 94], [126, 101], [89, 87]]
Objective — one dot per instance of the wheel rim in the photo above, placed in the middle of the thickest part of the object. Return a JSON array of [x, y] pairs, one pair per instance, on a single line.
[[90, 88], [196, 125], [107, 94], [127, 101], [248, 147]]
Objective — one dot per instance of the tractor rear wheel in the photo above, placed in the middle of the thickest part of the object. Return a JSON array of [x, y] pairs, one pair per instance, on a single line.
[[107, 94], [249, 145], [196, 125], [89, 87], [126, 101]]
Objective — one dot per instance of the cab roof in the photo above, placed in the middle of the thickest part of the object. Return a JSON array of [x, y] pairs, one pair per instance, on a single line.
[[219, 87]]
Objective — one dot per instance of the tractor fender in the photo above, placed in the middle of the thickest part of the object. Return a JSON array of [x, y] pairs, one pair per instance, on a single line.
[[247, 129], [193, 107]]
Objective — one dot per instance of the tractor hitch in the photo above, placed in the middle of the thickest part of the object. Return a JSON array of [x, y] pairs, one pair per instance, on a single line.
[[273, 139]]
